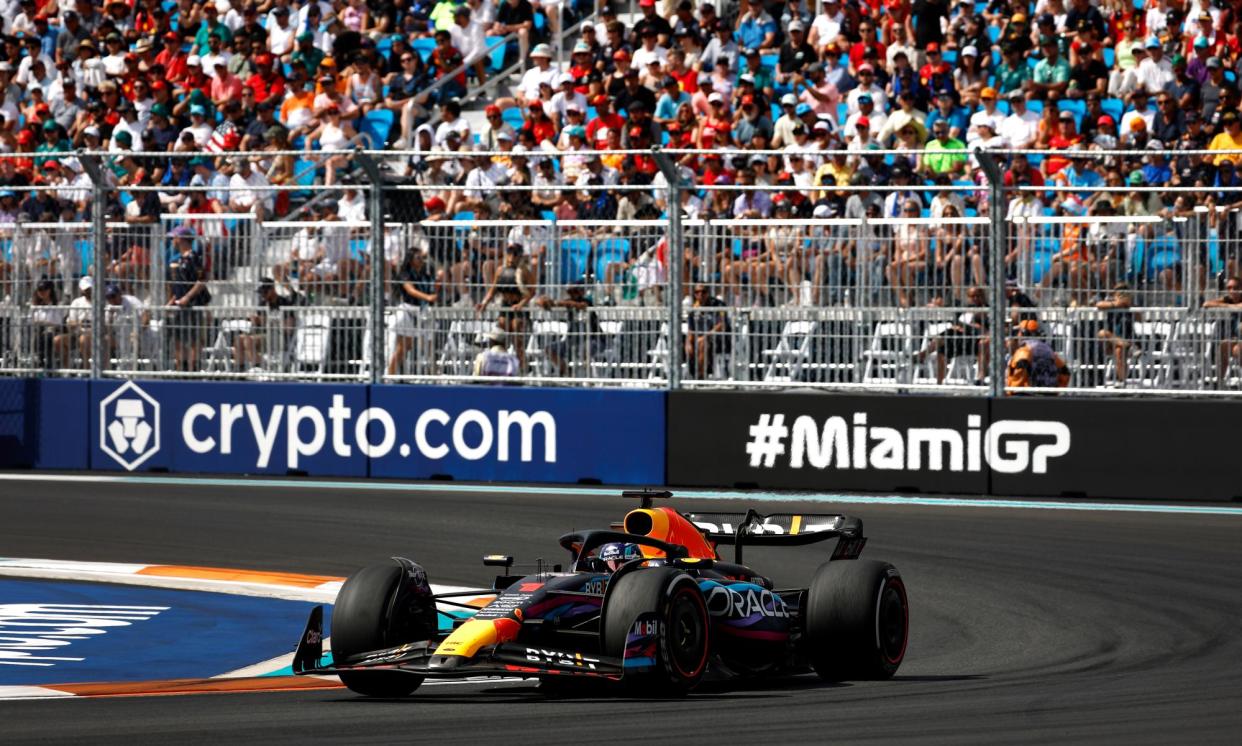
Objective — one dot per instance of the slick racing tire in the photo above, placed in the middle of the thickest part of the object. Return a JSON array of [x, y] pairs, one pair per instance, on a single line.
[[365, 618], [683, 642], [857, 620]]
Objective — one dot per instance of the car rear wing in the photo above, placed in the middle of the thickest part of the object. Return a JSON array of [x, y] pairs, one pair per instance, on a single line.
[[782, 529]]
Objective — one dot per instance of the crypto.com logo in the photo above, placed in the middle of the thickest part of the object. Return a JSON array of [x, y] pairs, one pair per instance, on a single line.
[[129, 426]]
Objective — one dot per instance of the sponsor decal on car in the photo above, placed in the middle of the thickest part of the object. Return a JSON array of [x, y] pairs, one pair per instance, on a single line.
[[560, 659], [744, 601]]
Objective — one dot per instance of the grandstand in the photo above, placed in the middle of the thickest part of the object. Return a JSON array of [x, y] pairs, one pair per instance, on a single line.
[[196, 165]]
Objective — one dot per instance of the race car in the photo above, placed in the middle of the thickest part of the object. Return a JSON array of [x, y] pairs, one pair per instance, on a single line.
[[648, 603]]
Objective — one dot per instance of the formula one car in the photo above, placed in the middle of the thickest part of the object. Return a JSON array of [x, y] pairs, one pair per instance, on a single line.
[[648, 603]]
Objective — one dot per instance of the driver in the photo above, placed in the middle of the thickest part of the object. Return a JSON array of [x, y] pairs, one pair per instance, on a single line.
[[615, 554]]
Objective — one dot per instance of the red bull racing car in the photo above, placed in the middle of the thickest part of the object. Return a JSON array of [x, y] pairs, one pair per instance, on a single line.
[[648, 602]]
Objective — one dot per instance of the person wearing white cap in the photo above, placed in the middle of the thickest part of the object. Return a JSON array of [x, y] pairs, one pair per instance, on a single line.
[[564, 97], [782, 128], [1156, 71], [81, 312], [543, 73]]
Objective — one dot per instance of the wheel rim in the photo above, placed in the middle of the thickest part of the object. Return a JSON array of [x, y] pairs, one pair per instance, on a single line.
[[687, 633], [892, 622]]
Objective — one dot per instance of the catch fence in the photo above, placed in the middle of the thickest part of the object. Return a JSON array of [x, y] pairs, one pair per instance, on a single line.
[[813, 283]]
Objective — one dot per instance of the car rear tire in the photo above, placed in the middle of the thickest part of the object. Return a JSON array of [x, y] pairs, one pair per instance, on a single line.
[[857, 620], [366, 617], [683, 640]]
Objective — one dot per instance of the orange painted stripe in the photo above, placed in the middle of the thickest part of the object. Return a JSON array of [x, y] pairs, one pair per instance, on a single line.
[[241, 576], [195, 686]]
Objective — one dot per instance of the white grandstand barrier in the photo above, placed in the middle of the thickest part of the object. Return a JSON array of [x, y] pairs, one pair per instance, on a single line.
[[877, 294]]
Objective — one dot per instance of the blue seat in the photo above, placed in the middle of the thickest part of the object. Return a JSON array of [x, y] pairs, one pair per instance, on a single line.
[[994, 33], [424, 47], [540, 21], [384, 46], [513, 117], [496, 57], [1035, 106], [1138, 259], [610, 251], [1216, 263], [358, 248], [304, 175], [86, 252], [949, 56], [1114, 107], [548, 215], [575, 255], [1110, 57], [376, 125], [1077, 107], [770, 61], [1165, 254], [463, 216], [1039, 266]]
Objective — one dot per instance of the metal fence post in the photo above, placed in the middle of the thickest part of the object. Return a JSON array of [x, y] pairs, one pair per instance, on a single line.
[[996, 249], [675, 253], [99, 236], [375, 207]]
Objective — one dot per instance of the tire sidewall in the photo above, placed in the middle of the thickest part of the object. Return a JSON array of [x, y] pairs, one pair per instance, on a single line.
[[857, 620]]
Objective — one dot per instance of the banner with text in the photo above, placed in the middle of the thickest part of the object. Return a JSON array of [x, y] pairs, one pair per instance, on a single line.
[[420, 432]]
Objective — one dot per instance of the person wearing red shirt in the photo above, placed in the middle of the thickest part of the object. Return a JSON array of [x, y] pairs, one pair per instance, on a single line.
[[172, 59], [687, 77], [1021, 170], [860, 50], [265, 81], [605, 117], [933, 63], [540, 126], [1065, 137]]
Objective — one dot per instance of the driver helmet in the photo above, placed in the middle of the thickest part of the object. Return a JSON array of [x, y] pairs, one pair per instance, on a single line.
[[616, 553]]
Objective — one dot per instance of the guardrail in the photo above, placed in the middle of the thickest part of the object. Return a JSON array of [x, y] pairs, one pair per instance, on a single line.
[[885, 286]]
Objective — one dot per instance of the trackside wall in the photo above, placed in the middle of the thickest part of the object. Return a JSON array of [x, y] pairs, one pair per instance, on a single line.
[[1019, 447], [514, 434]]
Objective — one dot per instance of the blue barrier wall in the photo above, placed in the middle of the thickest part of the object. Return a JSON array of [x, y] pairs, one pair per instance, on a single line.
[[414, 432], [523, 434], [42, 423]]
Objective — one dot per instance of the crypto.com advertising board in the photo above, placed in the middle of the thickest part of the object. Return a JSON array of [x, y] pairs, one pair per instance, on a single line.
[[1017, 446], [462, 432]]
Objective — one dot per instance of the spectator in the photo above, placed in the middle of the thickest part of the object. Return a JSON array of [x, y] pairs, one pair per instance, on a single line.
[[187, 297], [708, 333], [966, 336], [47, 319], [1032, 363], [496, 360], [1118, 333], [583, 338], [513, 287], [1228, 328], [417, 286]]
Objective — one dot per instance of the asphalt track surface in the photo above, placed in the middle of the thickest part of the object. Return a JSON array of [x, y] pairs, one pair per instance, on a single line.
[[1027, 626]]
